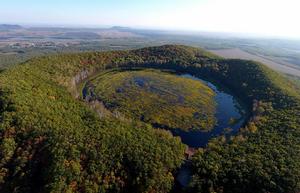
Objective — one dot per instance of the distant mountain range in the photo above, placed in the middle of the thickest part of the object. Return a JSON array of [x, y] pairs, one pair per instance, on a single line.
[[9, 27], [120, 28]]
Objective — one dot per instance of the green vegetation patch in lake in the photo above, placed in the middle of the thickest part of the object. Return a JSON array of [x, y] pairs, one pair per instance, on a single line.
[[156, 97]]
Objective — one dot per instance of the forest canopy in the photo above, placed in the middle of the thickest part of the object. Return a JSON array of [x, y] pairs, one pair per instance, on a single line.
[[43, 124]]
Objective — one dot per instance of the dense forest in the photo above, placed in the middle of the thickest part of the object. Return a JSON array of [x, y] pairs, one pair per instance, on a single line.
[[44, 124]]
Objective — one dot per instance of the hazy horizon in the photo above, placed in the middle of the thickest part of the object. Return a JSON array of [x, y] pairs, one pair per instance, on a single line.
[[251, 18]]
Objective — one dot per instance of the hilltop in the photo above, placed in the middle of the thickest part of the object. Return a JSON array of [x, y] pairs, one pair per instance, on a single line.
[[45, 124]]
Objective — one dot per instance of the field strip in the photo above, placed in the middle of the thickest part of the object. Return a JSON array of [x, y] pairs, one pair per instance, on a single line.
[[237, 53]]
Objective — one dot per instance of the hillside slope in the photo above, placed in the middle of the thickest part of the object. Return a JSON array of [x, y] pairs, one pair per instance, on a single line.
[[44, 125]]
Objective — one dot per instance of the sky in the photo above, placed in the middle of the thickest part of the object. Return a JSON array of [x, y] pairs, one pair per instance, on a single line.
[[261, 17]]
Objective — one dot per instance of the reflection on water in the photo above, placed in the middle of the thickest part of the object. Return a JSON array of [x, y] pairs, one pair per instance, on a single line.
[[229, 114]]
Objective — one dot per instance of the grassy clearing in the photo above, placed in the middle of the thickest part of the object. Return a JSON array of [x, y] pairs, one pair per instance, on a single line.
[[156, 97]]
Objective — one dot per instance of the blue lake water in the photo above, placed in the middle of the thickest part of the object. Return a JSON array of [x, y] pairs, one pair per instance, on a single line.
[[229, 114], [228, 108]]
